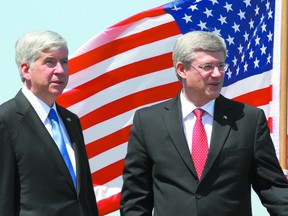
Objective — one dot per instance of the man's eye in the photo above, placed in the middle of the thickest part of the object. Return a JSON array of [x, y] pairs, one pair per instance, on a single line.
[[64, 62], [49, 62], [207, 67], [221, 66]]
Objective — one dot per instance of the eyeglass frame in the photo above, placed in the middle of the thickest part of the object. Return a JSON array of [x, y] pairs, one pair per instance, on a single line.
[[226, 65]]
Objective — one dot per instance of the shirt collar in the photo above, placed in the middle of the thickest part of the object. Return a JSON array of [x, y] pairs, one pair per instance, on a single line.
[[187, 107], [41, 108]]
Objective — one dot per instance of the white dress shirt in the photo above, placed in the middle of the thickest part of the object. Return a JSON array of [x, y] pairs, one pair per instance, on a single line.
[[42, 110], [189, 118]]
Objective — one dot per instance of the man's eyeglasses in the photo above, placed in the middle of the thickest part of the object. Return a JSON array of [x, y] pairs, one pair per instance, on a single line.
[[209, 68]]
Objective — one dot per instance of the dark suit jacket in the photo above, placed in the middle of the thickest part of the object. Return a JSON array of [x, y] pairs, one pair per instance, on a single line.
[[34, 180], [159, 171]]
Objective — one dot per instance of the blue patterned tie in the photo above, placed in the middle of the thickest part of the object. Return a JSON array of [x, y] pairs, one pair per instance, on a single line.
[[58, 138]]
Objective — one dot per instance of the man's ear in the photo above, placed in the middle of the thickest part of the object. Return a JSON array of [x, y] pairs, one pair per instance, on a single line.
[[181, 71], [25, 70]]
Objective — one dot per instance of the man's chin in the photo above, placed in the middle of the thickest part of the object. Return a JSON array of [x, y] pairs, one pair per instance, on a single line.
[[57, 92], [214, 95]]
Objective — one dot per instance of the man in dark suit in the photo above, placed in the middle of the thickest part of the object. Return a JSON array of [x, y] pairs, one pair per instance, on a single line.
[[162, 173], [34, 178]]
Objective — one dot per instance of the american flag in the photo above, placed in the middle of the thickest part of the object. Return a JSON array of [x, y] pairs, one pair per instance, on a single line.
[[129, 65]]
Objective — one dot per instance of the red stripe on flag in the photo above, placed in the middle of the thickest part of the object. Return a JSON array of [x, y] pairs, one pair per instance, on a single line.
[[115, 76], [256, 98], [108, 173], [108, 205], [108, 142], [270, 124], [122, 44], [131, 102]]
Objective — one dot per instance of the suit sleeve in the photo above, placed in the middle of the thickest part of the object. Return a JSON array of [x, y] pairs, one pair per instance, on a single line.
[[8, 183], [268, 179], [137, 194]]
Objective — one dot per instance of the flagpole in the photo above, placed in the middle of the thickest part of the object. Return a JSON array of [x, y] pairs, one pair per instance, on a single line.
[[283, 86]]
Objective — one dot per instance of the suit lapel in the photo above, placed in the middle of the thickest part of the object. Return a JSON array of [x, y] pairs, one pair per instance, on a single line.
[[224, 116], [40, 135], [173, 120], [222, 123]]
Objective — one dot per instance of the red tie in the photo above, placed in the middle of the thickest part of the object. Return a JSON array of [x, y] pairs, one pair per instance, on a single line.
[[199, 143]]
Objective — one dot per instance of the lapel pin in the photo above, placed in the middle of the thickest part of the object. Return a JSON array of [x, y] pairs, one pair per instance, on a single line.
[[225, 117], [68, 119]]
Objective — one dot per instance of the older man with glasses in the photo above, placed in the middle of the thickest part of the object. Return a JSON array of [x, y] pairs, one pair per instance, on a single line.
[[199, 153]]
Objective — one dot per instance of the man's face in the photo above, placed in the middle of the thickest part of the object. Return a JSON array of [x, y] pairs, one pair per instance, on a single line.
[[200, 84], [48, 76]]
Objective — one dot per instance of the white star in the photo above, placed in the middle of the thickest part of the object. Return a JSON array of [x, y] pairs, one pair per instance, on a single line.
[[240, 48], [234, 61], [246, 36], [214, 2], [251, 54], [267, 5], [242, 58], [217, 31], [229, 73], [256, 63], [255, 32], [248, 45], [269, 59], [236, 27], [257, 10], [263, 27], [251, 23], [270, 36], [202, 25], [247, 2], [245, 67], [176, 8], [222, 19], [230, 40], [241, 14], [208, 13], [263, 49], [193, 7], [237, 70], [187, 18], [228, 7], [262, 18], [270, 14], [257, 40]]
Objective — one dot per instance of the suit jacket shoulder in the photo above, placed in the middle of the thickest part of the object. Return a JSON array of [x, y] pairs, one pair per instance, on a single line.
[[156, 109]]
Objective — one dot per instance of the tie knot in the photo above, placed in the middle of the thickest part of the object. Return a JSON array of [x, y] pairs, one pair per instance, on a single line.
[[198, 112], [53, 115]]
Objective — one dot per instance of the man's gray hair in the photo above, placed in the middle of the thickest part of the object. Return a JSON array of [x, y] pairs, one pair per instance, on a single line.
[[30, 46], [188, 44]]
